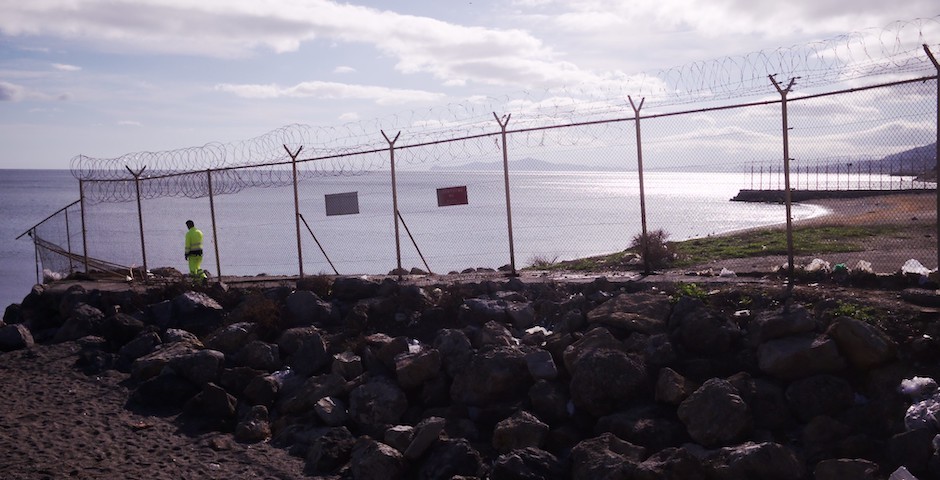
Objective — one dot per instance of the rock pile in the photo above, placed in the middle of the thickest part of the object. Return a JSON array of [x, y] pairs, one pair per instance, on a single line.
[[370, 379]]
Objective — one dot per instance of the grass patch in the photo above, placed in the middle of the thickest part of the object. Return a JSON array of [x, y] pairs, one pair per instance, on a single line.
[[806, 241], [755, 243]]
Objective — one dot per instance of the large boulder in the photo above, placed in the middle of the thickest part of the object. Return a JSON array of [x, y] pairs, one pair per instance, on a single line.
[[702, 331], [197, 312], [15, 337], [782, 322], [819, 395], [767, 461], [373, 460], [377, 404], [259, 356], [528, 463], [83, 320], [521, 430], [231, 338], [864, 345], [450, 458], [495, 375], [604, 456], [413, 369], [641, 312], [455, 348], [715, 414], [799, 356], [605, 379], [305, 308]]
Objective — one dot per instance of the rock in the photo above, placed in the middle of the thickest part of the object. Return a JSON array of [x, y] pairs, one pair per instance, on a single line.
[[821, 437], [84, 320], [767, 461], [399, 437], [151, 364], [652, 427], [492, 376], [641, 312], [120, 328], [331, 410], [605, 379], [329, 451], [780, 323], [350, 289], [911, 449], [769, 408], [261, 389], [844, 468], [715, 414], [478, 311], [455, 350], [423, 436], [15, 337], [521, 314], [167, 390], [604, 456], [670, 464], [141, 345], [496, 334], [74, 296], [450, 458], [519, 431], [865, 346], [311, 357], [312, 390], [377, 403], [413, 369], [819, 395], [373, 460], [673, 388], [347, 364], [290, 340], [259, 355], [213, 404], [197, 312], [549, 400], [799, 356], [595, 339], [231, 338], [541, 365], [200, 367], [701, 331], [528, 463], [254, 427], [305, 309]]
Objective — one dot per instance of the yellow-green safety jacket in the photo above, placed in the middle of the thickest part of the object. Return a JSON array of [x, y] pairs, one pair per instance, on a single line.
[[193, 242]]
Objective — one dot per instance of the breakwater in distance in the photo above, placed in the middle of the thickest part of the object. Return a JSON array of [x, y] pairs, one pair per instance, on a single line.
[[778, 196]]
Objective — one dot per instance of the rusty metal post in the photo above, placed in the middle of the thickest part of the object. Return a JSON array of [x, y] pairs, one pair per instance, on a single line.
[[391, 155], [215, 236], [81, 198], [300, 253], [639, 166], [937, 144], [786, 177], [68, 239], [512, 248], [140, 217]]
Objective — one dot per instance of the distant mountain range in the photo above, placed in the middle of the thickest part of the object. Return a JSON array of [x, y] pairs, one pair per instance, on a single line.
[[915, 161], [527, 164]]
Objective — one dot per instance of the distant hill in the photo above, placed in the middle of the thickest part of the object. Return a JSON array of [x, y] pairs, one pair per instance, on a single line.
[[527, 164], [915, 161]]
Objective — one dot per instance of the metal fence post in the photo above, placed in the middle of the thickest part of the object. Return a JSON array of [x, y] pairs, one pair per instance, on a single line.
[[300, 253], [81, 198], [140, 218], [391, 155], [512, 248], [937, 145], [786, 177], [639, 166], [215, 236]]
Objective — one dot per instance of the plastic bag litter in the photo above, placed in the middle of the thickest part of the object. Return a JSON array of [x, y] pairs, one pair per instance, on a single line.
[[863, 266], [818, 265], [925, 412], [727, 273], [918, 388], [915, 267]]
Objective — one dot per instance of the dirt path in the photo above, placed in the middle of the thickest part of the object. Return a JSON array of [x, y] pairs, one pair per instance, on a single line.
[[56, 422]]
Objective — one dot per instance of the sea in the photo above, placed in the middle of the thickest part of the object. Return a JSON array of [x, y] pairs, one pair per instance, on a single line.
[[546, 216]]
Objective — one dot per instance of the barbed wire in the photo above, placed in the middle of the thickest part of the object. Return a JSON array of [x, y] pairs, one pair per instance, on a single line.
[[468, 129]]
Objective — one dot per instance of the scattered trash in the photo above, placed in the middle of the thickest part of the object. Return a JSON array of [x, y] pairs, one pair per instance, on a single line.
[[915, 267], [902, 474], [840, 268], [925, 412], [863, 266], [725, 273], [818, 265]]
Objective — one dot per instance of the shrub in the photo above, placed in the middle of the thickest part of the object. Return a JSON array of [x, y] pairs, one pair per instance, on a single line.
[[658, 252]]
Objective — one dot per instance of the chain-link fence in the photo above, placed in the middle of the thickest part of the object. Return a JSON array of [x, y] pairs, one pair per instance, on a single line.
[[515, 190]]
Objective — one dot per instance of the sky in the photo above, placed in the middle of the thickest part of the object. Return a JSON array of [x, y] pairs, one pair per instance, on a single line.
[[107, 77]]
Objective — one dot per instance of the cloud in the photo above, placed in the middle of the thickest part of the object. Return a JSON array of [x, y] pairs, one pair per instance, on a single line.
[[129, 123], [10, 92], [349, 117], [344, 69], [66, 68], [331, 90]]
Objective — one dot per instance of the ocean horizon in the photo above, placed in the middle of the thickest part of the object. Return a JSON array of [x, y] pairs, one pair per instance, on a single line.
[[554, 215]]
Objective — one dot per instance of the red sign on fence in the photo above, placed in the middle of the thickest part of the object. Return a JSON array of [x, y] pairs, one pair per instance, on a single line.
[[452, 196]]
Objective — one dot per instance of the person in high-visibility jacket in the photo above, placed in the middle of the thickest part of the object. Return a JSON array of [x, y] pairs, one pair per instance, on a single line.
[[193, 251]]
